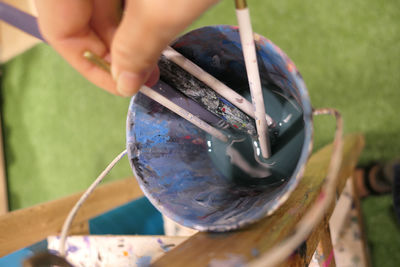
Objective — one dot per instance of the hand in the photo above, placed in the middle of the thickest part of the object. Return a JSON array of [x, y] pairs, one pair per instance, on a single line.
[[132, 40]]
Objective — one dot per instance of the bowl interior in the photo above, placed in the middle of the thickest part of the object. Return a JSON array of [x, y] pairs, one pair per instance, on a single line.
[[186, 173]]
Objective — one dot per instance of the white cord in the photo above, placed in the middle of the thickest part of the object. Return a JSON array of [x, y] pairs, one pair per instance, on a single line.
[[86, 194], [277, 254]]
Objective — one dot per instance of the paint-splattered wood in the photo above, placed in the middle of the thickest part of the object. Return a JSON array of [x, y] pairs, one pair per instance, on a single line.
[[25, 227], [117, 250], [303, 255], [325, 247], [242, 246], [357, 203]]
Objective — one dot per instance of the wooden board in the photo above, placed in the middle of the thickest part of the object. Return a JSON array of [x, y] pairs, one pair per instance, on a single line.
[[204, 249], [303, 255], [25, 227], [365, 249], [117, 250]]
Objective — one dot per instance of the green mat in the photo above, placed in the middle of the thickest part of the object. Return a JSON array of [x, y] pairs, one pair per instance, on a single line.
[[61, 131]]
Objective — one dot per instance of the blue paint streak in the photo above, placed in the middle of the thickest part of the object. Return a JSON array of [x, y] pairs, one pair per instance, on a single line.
[[72, 248], [143, 261], [157, 133], [255, 252]]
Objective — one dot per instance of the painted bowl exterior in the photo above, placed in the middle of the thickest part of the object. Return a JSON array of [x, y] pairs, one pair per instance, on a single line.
[[169, 155]]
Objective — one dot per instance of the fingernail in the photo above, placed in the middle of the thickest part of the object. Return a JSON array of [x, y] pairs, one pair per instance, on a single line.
[[128, 83]]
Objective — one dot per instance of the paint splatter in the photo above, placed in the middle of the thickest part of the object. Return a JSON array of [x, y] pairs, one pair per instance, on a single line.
[[164, 247], [321, 196], [255, 252], [143, 261], [72, 248], [53, 251], [232, 260], [328, 261], [86, 240]]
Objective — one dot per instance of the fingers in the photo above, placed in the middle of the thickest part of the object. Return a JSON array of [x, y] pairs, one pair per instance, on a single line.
[[106, 16], [66, 25], [146, 29], [63, 18], [75, 26]]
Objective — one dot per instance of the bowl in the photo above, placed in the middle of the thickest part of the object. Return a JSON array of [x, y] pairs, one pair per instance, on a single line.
[[187, 174]]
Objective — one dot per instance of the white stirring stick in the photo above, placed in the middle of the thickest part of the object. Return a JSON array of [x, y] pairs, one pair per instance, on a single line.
[[183, 113], [163, 101], [215, 84], [253, 75]]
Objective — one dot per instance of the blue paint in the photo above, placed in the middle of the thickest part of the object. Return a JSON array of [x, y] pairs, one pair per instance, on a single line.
[[255, 252], [170, 157], [164, 247], [155, 132], [143, 261], [53, 251], [226, 102], [72, 248], [86, 238]]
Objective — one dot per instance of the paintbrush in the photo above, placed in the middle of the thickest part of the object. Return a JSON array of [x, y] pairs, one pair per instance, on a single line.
[[28, 24], [253, 75], [164, 101], [219, 87], [163, 93], [230, 110], [195, 89]]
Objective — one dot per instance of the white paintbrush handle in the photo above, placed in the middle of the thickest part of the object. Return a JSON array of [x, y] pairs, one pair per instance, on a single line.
[[183, 113], [209, 80], [163, 101], [215, 84], [253, 75]]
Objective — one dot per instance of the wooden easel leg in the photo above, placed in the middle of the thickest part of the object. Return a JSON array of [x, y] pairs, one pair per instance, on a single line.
[[357, 204], [325, 248]]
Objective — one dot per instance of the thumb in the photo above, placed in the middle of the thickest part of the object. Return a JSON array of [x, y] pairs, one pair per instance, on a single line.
[[147, 27]]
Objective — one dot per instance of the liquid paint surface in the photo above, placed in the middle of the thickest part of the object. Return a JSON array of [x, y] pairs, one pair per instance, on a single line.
[[240, 159], [188, 175]]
